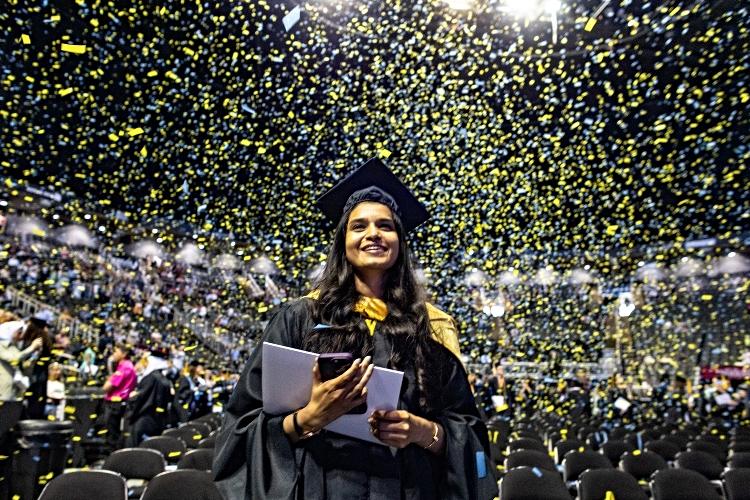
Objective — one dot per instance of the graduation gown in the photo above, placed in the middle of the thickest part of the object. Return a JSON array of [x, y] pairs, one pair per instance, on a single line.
[[149, 406], [331, 466]]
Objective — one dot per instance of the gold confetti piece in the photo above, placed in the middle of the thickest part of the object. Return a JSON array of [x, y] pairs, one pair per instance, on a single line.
[[132, 132], [143, 152], [25, 39], [73, 49], [590, 24]]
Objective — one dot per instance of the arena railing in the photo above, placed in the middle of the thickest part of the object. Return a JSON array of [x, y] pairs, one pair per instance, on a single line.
[[27, 305]]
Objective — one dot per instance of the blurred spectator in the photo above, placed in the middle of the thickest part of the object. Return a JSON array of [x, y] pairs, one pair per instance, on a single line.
[[12, 353], [37, 365], [55, 407], [87, 368], [150, 404], [117, 391]]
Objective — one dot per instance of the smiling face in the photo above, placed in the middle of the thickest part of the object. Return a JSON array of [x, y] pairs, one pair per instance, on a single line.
[[371, 238]]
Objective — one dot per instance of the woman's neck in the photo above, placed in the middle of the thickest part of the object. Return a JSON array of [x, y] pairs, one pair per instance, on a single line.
[[370, 285]]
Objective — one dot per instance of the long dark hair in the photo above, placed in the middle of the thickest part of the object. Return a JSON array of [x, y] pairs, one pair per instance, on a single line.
[[407, 323], [36, 330]]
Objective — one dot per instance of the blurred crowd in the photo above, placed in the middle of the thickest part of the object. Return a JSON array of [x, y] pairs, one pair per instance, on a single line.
[[571, 179], [618, 400]]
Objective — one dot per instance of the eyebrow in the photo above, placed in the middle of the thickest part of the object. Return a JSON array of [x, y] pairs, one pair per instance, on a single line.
[[362, 219]]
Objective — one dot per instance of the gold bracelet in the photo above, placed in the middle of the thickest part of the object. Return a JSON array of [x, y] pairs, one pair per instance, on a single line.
[[434, 436]]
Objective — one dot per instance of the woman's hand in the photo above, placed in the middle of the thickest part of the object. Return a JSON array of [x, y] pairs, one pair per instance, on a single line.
[[332, 398], [399, 428], [36, 344]]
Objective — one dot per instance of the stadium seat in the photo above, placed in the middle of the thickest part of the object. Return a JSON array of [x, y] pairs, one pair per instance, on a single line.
[[189, 434], [200, 459], [740, 431], [736, 484], [642, 464], [708, 447], [666, 449], [527, 434], [10, 413], [678, 440], [532, 483], [618, 433], [682, 484], [594, 485], [208, 442], [596, 439], [530, 458], [526, 444], [613, 450], [136, 463], [701, 462], [637, 440], [202, 427], [86, 485], [170, 447], [575, 462], [498, 444], [740, 446], [563, 447], [740, 460], [137, 466], [584, 431], [183, 484], [718, 440]]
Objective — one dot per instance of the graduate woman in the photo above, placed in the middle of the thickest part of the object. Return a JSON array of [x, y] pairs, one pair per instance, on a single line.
[[367, 302]]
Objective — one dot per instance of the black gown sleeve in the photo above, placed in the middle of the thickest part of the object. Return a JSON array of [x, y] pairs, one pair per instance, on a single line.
[[469, 472], [249, 436]]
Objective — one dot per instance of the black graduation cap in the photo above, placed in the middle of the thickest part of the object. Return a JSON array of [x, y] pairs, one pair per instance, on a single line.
[[42, 318], [373, 181], [160, 352]]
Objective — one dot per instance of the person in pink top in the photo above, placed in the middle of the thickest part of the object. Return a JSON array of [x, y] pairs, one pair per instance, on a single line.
[[117, 390]]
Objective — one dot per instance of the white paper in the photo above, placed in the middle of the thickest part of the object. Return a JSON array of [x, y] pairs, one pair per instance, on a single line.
[[723, 399], [291, 18], [498, 401], [287, 382], [622, 404]]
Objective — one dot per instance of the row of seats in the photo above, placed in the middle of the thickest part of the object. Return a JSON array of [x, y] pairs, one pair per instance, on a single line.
[[176, 464], [718, 456], [532, 483]]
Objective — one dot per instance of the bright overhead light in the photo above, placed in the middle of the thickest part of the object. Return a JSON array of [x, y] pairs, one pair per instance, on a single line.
[[522, 8], [460, 4], [552, 5]]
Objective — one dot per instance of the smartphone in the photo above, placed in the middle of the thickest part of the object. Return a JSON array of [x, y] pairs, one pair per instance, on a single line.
[[333, 364]]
